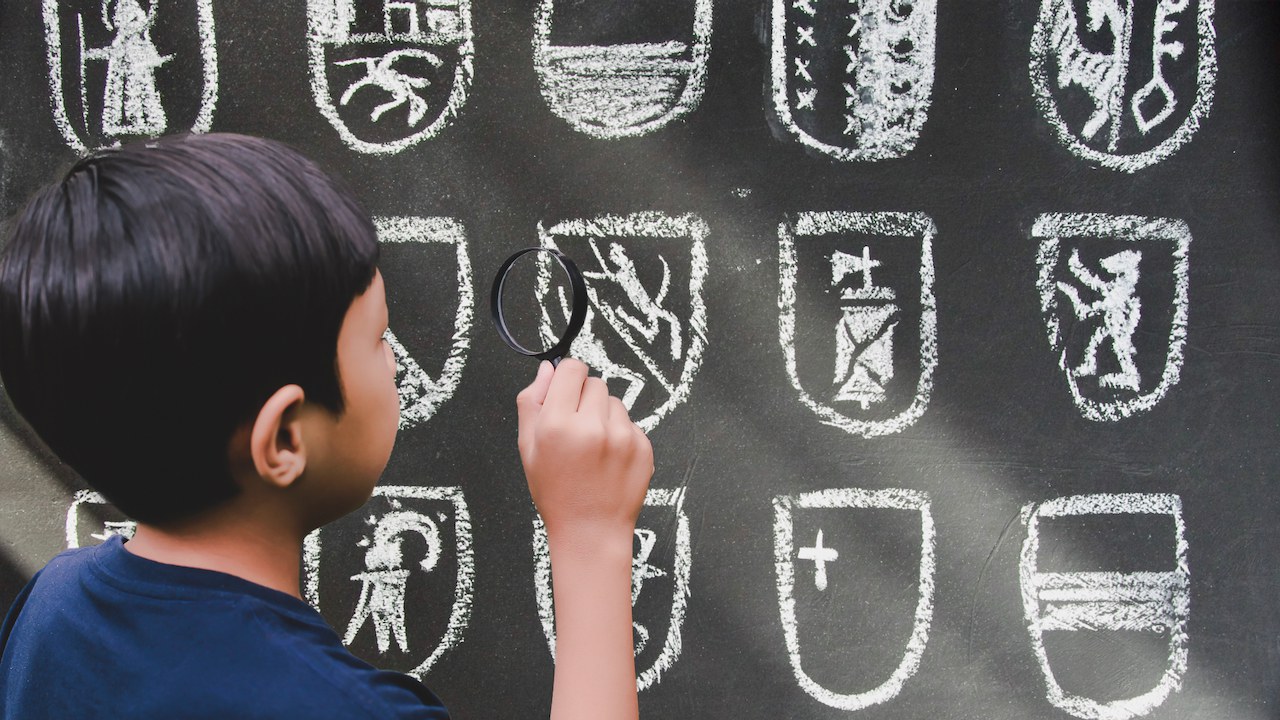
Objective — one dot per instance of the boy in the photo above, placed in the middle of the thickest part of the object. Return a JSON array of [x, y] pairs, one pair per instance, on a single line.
[[195, 325]]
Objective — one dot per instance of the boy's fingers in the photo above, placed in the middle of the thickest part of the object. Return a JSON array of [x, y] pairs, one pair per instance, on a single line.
[[530, 400], [595, 398], [566, 386]]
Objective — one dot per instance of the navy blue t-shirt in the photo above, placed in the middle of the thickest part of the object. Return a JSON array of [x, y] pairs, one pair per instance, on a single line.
[[103, 633]]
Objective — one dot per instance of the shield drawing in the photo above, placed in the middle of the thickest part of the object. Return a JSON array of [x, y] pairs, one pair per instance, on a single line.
[[857, 317], [646, 327], [853, 79], [1137, 614], [395, 579], [848, 597], [388, 74], [126, 69], [427, 271], [1124, 83], [627, 71], [1113, 289], [660, 563], [92, 520]]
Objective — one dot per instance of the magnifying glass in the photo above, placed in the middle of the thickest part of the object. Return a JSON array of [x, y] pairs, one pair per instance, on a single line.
[[538, 303]]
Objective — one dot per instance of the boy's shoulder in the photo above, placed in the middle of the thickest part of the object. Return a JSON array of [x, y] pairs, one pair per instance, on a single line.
[[101, 630]]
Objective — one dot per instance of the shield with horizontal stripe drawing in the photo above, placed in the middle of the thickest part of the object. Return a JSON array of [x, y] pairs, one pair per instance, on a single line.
[[1106, 592], [845, 559], [1124, 83], [852, 78], [660, 566], [127, 69], [389, 74], [395, 578], [427, 270], [857, 318], [646, 327], [621, 69], [1113, 290]]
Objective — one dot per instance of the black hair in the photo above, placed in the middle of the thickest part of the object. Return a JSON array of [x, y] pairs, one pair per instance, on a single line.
[[154, 298]]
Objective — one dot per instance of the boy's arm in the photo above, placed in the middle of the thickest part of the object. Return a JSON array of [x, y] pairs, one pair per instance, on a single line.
[[588, 467]]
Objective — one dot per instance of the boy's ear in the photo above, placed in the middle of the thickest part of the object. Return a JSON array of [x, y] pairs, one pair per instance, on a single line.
[[275, 441]]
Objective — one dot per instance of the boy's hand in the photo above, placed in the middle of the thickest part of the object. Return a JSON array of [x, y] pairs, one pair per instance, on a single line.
[[588, 466]]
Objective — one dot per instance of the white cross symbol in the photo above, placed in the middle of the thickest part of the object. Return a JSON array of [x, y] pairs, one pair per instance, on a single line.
[[802, 70], [820, 557], [804, 99], [805, 6], [806, 36]]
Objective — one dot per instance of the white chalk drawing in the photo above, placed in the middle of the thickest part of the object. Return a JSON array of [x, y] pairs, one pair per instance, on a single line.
[[853, 78], [1157, 602], [388, 75], [637, 332], [1087, 54], [372, 599], [420, 394], [113, 63], [871, 313], [642, 570], [1105, 296], [92, 520], [622, 89], [786, 554], [820, 556]]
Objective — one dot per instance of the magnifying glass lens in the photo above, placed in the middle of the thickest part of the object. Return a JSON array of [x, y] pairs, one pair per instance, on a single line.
[[537, 301]]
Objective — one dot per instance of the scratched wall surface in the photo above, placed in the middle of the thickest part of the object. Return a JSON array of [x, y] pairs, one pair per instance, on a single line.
[[953, 324]]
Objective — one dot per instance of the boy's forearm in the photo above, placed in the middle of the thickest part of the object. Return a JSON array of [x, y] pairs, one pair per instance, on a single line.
[[595, 663]]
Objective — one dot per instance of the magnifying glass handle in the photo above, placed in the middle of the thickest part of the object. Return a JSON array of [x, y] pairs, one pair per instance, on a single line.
[[555, 362]]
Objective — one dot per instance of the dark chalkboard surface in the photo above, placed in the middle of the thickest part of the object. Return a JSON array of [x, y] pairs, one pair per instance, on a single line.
[[954, 327]]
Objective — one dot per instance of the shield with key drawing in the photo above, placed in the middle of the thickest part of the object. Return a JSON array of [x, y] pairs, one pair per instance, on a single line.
[[660, 565], [388, 74], [1106, 592], [845, 561], [430, 301], [395, 578], [646, 327], [857, 318], [853, 79], [1124, 83], [1113, 290], [127, 69]]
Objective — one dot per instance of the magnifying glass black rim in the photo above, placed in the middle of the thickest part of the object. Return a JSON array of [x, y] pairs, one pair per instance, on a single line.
[[577, 316]]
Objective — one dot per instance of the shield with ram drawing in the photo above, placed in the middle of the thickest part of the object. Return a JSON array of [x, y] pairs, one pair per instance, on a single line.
[[855, 574], [387, 74], [395, 578], [646, 325]]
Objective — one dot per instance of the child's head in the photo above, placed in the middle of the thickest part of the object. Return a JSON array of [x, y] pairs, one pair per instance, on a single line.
[[157, 296]]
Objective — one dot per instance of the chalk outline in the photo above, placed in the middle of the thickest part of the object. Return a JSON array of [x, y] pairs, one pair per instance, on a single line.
[[690, 97], [1051, 228], [815, 224], [82, 497], [781, 104], [784, 553], [208, 56], [1206, 79], [404, 229], [683, 561], [460, 615], [648, 225], [319, 75], [1108, 504]]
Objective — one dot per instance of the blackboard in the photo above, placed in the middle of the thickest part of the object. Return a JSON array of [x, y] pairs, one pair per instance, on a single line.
[[1043, 482]]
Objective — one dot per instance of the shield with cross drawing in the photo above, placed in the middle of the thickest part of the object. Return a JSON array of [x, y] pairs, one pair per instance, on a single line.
[[1124, 83], [857, 318], [853, 78], [1106, 590], [845, 560], [126, 69], [1113, 290], [430, 301], [660, 565], [646, 326], [395, 578], [388, 74]]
